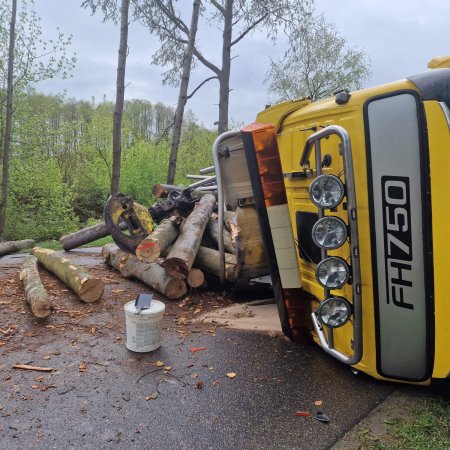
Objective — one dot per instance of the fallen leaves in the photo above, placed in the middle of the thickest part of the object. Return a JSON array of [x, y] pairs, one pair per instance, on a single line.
[[36, 368], [159, 364], [152, 396], [43, 387], [199, 385], [82, 367], [231, 375], [194, 350]]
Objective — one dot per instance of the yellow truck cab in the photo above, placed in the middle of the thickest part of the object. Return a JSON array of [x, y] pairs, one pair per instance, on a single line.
[[351, 196]]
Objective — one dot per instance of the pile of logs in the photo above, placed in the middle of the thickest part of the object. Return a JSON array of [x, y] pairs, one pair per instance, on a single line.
[[174, 256]]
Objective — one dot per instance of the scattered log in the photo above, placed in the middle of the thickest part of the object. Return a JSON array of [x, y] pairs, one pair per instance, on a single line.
[[35, 368], [86, 235], [195, 278], [164, 235], [208, 260], [151, 274], [213, 228], [87, 287], [13, 246], [35, 292], [181, 258]]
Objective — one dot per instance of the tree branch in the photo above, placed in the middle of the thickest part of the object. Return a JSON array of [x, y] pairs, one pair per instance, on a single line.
[[206, 63], [218, 6], [200, 85], [250, 28]]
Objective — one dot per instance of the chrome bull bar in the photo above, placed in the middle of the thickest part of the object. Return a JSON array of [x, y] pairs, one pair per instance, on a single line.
[[345, 149]]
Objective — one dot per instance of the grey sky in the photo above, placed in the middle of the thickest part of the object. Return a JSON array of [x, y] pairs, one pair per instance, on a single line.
[[399, 36]]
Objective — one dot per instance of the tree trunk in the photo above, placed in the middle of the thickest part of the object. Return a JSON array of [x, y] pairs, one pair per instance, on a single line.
[[13, 246], [164, 235], [86, 235], [152, 274], [9, 116], [213, 228], [180, 259], [120, 93], [208, 260], [182, 95], [224, 79], [87, 287], [35, 292], [195, 278]]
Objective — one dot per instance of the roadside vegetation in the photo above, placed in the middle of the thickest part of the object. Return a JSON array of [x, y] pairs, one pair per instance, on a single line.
[[61, 169], [425, 425]]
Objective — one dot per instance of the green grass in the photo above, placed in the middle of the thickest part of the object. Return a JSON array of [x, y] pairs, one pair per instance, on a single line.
[[52, 245], [100, 242], [428, 428], [55, 245]]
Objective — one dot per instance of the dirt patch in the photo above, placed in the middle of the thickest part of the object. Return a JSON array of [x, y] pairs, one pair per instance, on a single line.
[[101, 318], [260, 317]]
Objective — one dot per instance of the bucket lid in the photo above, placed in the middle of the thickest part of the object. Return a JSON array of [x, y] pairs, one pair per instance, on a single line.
[[155, 307]]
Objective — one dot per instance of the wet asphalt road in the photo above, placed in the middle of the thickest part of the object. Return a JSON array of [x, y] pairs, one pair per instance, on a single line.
[[105, 406], [197, 405]]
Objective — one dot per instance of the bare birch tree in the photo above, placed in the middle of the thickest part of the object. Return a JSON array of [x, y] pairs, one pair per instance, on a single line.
[[120, 94], [9, 114]]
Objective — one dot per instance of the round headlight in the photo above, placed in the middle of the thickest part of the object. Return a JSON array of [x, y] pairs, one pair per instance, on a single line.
[[329, 232], [332, 272], [326, 191], [334, 312]]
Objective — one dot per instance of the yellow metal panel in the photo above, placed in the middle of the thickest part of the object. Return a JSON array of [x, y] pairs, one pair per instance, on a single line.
[[439, 144], [296, 128]]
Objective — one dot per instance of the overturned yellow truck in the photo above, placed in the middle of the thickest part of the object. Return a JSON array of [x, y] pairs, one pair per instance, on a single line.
[[351, 194]]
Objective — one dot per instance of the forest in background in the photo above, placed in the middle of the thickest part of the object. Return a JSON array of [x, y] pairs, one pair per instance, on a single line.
[[61, 171], [62, 157]]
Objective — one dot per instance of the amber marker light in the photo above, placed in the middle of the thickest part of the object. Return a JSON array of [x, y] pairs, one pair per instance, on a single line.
[[267, 178]]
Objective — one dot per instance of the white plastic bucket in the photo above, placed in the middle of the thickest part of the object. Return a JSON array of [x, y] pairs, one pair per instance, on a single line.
[[144, 329]]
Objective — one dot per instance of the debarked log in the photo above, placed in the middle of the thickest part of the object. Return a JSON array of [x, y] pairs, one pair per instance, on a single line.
[[86, 235], [86, 286], [157, 244], [213, 228], [152, 274], [208, 260], [35, 292], [182, 255], [13, 246]]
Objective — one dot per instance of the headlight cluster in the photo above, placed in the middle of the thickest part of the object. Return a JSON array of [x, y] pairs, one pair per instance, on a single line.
[[329, 232]]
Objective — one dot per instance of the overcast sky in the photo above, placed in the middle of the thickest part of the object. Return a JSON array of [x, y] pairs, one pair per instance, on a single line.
[[399, 36]]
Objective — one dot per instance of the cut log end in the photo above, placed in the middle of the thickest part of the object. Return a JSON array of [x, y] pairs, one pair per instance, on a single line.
[[195, 278], [148, 250], [41, 309], [176, 268], [175, 289], [91, 290]]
